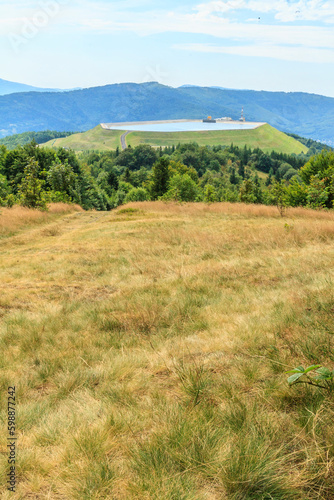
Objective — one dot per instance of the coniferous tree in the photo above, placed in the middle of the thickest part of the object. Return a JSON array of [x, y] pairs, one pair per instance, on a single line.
[[31, 188], [270, 177], [159, 178], [113, 179], [126, 175], [241, 170], [233, 177]]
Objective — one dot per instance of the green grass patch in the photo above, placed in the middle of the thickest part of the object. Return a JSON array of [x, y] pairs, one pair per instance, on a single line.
[[94, 139]]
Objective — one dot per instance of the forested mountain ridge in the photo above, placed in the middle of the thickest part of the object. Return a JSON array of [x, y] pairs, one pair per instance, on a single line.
[[308, 115]]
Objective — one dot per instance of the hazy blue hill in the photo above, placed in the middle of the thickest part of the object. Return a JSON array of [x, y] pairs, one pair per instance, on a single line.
[[7, 87], [84, 109], [308, 115]]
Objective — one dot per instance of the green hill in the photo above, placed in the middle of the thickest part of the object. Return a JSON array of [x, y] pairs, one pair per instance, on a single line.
[[96, 138], [265, 137]]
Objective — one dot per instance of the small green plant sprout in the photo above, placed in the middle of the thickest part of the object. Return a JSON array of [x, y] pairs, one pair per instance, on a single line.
[[316, 375], [288, 227]]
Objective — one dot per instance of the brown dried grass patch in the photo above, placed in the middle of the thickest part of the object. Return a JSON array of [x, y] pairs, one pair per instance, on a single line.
[[17, 217], [63, 208], [230, 208]]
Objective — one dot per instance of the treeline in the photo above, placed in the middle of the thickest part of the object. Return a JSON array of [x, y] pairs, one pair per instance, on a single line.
[[13, 141], [314, 146], [35, 176]]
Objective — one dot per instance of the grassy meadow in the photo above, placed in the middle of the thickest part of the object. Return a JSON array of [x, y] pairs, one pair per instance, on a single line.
[[264, 137], [149, 345], [17, 218]]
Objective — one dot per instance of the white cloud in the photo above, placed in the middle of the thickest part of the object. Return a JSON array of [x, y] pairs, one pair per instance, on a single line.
[[300, 54], [308, 36], [220, 6], [316, 10], [280, 40], [283, 10]]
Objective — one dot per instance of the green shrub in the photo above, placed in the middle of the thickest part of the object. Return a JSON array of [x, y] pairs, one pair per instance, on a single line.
[[137, 194], [181, 187]]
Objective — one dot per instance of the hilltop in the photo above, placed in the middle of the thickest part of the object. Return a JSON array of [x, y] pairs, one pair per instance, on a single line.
[[308, 115], [264, 137]]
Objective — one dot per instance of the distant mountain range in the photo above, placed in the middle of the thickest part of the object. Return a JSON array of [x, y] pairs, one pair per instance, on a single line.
[[308, 115], [7, 87]]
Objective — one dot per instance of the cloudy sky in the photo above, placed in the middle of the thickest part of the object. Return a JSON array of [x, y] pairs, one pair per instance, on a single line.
[[283, 45]]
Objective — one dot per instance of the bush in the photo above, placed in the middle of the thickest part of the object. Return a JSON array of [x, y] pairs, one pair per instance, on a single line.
[[62, 180], [118, 199], [317, 193], [137, 194], [250, 192], [290, 174], [4, 187], [210, 195], [182, 188], [296, 193], [11, 201], [279, 196]]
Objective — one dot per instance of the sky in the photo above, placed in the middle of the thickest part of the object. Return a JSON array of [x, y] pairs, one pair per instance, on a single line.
[[275, 45]]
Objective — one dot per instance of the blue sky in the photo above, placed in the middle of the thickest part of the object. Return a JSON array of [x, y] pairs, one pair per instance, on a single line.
[[285, 45]]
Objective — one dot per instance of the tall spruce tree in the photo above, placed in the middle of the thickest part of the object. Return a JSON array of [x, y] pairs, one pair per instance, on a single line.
[[160, 178]]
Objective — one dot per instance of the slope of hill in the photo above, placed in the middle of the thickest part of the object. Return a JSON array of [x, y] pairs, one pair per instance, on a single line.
[[308, 115], [7, 87], [96, 138], [265, 137]]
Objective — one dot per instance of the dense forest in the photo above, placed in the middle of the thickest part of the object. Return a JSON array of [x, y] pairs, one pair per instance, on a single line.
[[33, 176]]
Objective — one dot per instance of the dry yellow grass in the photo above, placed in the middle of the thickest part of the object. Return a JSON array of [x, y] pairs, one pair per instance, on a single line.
[[231, 208], [148, 347], [15, 218]]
